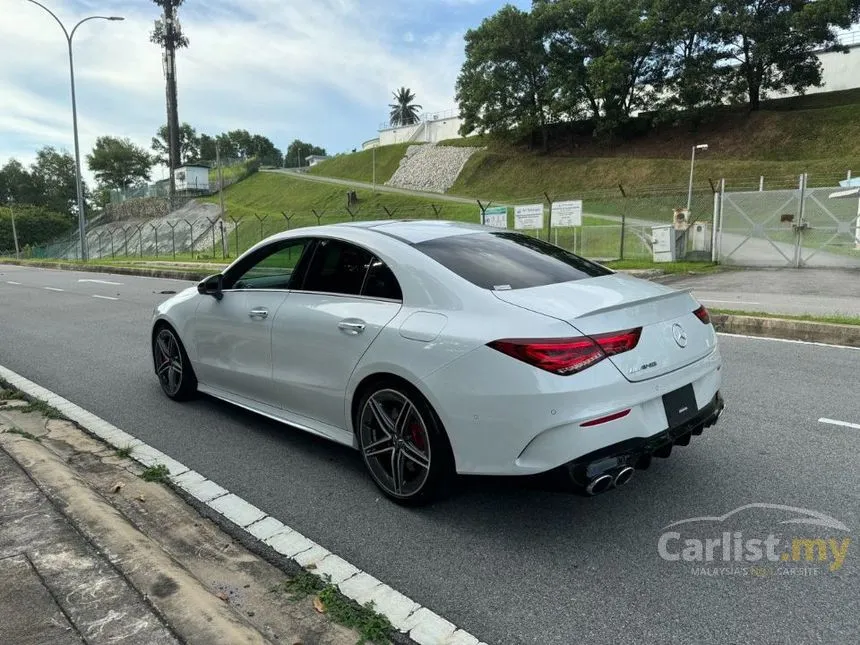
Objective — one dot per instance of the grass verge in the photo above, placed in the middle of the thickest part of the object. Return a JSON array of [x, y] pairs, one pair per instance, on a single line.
[[665, 267], [372, 626], [157, 473], [834, 319]]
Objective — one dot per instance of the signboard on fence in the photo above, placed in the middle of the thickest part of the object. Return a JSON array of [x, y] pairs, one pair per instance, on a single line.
[[567, 214], [529, 216], [496, 216]]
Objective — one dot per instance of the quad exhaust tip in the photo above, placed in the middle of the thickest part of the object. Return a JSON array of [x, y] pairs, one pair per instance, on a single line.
[[624, 475], [599, 485], [604, 482]]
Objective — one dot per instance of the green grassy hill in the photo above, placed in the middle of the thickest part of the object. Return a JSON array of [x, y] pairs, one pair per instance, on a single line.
[[818, 134], [268, 203], [358, 166]]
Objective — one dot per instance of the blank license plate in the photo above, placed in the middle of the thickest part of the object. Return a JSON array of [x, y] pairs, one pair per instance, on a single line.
[[680, 406]]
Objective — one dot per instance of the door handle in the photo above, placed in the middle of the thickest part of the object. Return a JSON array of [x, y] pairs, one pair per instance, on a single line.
[[351, 327], [259, 312]]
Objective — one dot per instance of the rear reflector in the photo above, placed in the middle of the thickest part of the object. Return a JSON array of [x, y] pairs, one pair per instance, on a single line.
[[702, 314], [606, 419], [567, 356]]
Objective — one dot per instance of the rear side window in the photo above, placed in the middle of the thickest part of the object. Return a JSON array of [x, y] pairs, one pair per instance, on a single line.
[[506, 260]]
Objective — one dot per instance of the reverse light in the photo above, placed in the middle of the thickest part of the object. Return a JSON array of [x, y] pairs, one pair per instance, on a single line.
[[702, 314], [565, 356]]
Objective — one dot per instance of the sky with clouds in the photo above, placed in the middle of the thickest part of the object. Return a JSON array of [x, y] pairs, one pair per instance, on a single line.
[[318, 70]]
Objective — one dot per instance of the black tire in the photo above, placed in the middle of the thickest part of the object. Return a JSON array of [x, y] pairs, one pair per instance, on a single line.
[[418, 484], [179, 385]]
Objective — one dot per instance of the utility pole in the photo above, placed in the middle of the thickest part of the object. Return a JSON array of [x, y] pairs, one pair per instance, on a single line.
[[374, 167], [172, 37], [221, 199], [14, 230]]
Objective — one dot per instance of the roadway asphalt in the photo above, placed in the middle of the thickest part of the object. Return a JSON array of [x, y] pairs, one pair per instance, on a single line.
[[508, 560], [781, 291]]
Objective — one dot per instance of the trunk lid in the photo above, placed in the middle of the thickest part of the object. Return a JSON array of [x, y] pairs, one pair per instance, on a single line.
[[672, 336]]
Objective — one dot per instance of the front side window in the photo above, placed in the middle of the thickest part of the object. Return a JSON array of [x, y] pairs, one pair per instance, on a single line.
[[269, 268], [506, 260]]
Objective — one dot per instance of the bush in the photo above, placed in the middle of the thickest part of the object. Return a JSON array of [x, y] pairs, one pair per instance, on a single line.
[[34, 224]]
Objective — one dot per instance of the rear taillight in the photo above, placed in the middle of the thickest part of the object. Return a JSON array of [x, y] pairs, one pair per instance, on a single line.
[[567, 356], [702, 314]]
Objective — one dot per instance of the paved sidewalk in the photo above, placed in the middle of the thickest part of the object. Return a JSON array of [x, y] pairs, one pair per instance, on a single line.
[[55, 588], [92, 553], [777, 291]]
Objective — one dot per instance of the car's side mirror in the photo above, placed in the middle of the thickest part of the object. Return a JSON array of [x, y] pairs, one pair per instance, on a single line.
[[212, 286]]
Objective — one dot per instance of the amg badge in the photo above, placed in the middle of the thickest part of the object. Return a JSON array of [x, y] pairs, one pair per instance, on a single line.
[[646, 366]]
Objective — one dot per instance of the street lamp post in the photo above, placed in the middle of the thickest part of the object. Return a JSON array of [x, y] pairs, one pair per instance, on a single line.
[[701, 146], [69, 35]]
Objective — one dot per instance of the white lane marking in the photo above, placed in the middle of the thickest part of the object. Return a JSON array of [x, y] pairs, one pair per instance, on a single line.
[[406, 615], [733, 302], [104, 297], [100, 281], [787, 340], [844, 424], [12, 282], [53, 289], [143, 277]]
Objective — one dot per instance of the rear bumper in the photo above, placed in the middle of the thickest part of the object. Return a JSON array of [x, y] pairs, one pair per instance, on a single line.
[[516, 420], [637, 452]]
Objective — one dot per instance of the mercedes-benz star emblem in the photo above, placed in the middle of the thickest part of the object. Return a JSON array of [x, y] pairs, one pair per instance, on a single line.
[[679, 335]]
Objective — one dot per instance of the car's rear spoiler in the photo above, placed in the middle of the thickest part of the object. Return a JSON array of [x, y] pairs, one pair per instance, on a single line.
[[624, 305]]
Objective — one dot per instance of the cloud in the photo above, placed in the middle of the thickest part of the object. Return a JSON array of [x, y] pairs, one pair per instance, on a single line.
[[321, 71]]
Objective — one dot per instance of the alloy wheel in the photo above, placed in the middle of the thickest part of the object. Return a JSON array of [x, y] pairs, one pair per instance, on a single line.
[[169, 362], [395, 443]]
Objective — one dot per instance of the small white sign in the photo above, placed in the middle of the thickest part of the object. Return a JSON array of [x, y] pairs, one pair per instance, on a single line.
[[529, 216], [566, 214], [497, 217]]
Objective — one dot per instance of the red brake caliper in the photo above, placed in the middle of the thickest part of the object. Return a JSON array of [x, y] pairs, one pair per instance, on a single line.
[[417, 435]]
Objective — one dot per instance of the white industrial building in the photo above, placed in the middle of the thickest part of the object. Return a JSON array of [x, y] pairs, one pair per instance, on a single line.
[[192, 177]]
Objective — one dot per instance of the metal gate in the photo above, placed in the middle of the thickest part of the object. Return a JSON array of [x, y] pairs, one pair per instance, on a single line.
[[802, 227]]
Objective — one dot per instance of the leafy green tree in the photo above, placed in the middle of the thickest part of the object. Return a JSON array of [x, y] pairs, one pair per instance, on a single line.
[[33, 224], [17, 183], [53, 175], [696, 76], [119, 163], [189, 145], [505, 83], [207, 148], [772, 42], [607, 56], [403, 110], [298, 151]]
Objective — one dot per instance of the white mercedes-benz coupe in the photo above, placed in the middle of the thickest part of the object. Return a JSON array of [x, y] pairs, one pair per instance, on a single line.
[[437, 348]]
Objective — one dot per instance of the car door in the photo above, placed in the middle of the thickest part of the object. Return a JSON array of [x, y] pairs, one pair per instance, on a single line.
[[234, 334], [325, 326]]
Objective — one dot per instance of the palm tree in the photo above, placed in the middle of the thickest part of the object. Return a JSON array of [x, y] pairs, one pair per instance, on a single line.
[[403, 110]]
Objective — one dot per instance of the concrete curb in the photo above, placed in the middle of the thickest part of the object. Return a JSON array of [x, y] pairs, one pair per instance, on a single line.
[[172, 274], [409, 618], [803, 330]]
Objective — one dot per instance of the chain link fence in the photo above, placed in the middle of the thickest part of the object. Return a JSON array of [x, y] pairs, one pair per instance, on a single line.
[[616, 224]]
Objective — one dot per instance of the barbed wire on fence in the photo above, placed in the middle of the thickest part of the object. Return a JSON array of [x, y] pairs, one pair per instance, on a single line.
[[616, 222]]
